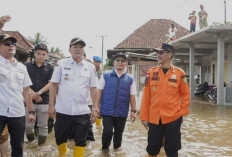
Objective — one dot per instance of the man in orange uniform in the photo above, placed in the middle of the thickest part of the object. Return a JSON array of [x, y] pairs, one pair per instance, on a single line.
[[165, 100]]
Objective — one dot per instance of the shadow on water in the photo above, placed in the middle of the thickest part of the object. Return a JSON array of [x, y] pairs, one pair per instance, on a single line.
[[206, 132]]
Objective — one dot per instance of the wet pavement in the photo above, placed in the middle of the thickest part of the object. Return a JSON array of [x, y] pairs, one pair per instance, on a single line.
[[206, 132]]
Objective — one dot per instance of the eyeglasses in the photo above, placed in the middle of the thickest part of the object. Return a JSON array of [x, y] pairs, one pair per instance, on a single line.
[[120, 60], [162, 52], [8, 44]]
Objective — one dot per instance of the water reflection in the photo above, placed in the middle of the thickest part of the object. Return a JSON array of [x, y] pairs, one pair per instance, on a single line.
[[206, 132]]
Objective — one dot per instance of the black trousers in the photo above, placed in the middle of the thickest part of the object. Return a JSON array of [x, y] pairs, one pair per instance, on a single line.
[[16, 127], [71, 127], [110, 123], [171, 132], [90, 136]]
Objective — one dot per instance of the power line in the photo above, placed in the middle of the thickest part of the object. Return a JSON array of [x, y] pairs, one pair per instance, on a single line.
[[174, 11], [102, 37]]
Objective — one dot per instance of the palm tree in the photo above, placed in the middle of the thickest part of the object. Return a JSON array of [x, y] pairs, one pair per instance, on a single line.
[[55, 50], [38, 39]]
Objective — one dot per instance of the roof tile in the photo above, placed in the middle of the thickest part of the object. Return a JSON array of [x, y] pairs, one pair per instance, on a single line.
[[151, 34]]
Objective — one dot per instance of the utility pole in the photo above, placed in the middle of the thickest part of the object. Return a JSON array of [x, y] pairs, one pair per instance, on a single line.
[[102, 37], [225, 10]]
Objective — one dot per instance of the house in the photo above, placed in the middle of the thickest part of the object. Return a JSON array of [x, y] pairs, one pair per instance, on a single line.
[[208, 54], [140, 45], [24, 47], [54, 57]]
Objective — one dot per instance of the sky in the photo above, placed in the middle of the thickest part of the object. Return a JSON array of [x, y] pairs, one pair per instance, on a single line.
[[61, 20]]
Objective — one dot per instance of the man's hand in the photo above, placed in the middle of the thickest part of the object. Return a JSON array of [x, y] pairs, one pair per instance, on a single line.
[[133, 116], [51, 112], [39, 99], [35, 95], [31, 117], [94, 114], [145, 124]]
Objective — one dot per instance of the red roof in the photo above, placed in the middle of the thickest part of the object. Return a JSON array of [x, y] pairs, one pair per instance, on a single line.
[[57, 55], [22, 42], [151, 34]]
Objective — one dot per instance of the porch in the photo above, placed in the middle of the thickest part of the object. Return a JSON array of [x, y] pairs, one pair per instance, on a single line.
[[206, 56]]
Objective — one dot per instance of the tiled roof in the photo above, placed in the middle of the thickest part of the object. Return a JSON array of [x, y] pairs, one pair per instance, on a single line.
[[22, 42], [56, 55], [151, 34]]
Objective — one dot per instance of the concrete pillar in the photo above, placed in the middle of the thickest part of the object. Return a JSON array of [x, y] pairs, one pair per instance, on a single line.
[[229, 66], [139, 94], [220, 70], [191, 69]]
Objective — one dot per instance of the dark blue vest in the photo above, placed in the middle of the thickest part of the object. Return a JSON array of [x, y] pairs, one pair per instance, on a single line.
[[116, 94]]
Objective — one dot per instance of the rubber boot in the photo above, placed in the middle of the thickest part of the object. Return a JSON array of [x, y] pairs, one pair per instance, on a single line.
[[41, 140], [62, 148], [98, 121], [79, 151], [50, 125], [50, 129], [30, 137]]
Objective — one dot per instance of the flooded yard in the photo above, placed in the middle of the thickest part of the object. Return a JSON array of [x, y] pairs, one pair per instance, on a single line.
[[206, 132]]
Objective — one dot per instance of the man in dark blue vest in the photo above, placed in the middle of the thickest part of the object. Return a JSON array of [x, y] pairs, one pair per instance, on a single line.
[[116, 89]]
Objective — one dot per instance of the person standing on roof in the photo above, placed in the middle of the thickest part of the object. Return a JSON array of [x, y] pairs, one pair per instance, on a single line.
[[202, 17], [172, 32], [193, 18]]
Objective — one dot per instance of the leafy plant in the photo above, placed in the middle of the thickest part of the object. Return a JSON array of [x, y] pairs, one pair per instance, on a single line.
[[38, 39]]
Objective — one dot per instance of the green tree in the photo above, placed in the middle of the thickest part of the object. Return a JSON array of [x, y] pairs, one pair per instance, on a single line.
[[109, 64], [55, 50], [38, 39], [220, 24]]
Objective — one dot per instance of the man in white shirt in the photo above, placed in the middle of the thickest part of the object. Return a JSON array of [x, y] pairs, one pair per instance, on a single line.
[[15, 90], [72, 80], [97, 63]]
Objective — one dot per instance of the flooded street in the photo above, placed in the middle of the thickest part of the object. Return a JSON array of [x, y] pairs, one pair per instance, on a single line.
[[206, 132]]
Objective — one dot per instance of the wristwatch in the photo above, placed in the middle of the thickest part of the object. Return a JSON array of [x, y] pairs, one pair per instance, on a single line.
[[133, 111], [95, 109], [39, 92]]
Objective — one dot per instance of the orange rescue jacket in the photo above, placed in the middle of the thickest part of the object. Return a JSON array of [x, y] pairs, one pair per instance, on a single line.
[[165, 96]]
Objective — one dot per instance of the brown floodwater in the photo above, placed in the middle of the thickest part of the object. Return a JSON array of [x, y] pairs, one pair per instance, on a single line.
[[206, 132]]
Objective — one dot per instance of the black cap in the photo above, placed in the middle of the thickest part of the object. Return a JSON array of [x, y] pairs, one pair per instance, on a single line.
[[165, 47], [41, 47], [120, 54], [77, 40], [7, 37]]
